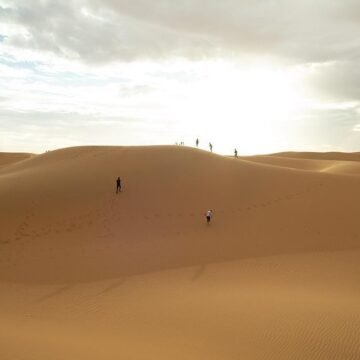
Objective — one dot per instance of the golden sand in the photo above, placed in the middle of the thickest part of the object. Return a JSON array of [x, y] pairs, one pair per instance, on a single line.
[[88, 274]]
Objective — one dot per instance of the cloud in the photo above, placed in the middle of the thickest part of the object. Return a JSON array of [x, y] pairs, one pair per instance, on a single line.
[[125, 30], [51, 130], [328, 126], [337, 81], [135, 90], [75, 32]]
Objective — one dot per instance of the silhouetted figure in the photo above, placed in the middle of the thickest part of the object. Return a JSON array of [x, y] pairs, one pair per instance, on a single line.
[[235, 153], [210, 146], [197, 142], [208, 215], [118, 185]]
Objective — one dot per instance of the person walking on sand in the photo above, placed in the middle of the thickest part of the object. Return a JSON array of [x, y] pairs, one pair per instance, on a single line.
[[210, 146], [235, 153], [208, 215], [118, 185], [197, 142]]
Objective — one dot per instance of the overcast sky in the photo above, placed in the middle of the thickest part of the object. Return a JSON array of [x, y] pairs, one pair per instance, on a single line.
[[262, 76]]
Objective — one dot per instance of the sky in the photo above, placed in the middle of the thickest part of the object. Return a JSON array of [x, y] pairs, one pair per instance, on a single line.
[[261, 76]]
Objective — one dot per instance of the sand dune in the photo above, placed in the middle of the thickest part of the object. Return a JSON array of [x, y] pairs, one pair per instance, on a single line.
[[291, 163], [320, 155], [345, 167], [11, 158], [88, 274]]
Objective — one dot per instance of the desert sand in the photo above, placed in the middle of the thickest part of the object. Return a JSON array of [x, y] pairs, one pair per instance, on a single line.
[[89, 274], [10, 158]]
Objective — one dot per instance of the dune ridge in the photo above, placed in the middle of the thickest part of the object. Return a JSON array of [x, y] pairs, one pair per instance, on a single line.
[[330, 163], [11, 158], [331, 155], [86, 273]]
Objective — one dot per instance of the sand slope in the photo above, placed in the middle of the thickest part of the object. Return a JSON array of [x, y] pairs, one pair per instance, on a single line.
[[312, 162], [11, 158], [320, 155], [88, 274]]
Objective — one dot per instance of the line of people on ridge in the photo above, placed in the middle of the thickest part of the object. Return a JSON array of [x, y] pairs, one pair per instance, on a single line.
[[211, 147], [197, 142]]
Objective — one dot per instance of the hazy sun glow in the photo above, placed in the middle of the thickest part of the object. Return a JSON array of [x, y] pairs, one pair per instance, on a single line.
[[240, 107]]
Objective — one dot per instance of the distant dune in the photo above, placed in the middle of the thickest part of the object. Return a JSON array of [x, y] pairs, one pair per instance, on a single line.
[[89, 274], [321, 155], [337, 163], [10, 158]]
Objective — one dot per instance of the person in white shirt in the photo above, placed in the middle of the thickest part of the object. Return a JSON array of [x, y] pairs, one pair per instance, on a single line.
[[209, 215]]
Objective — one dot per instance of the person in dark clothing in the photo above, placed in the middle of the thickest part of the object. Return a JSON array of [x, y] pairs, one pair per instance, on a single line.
[[197, 142], [118, 185], [235, 153], [208, 215], [210, 146]]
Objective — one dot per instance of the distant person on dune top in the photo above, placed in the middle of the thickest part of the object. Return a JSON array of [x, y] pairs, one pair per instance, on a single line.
[[235, 153], [197, 142], [210, 146], [208, 215], [118, 185]]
